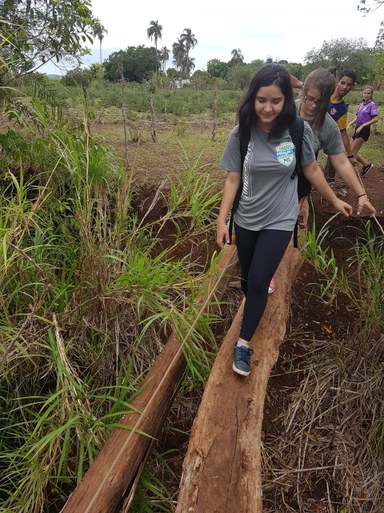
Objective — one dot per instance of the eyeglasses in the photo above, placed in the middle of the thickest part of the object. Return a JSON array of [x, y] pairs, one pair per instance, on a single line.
[[309, 100]]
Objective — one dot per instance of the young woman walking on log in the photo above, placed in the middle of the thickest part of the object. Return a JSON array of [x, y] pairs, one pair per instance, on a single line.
[[268, 207]]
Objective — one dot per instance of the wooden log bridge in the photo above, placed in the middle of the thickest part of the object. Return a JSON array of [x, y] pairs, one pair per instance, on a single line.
[[222, 468], [111, 480]]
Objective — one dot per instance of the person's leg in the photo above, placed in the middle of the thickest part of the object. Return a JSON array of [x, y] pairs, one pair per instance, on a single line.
[[358, 141], [260, 254], [245, 242], [268, 252], [355, 147], [302, 219]]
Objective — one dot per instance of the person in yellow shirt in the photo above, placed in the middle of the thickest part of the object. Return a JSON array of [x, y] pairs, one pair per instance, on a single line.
[[338, 109]]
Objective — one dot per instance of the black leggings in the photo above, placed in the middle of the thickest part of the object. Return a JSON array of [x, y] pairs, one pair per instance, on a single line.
[[260, 254]]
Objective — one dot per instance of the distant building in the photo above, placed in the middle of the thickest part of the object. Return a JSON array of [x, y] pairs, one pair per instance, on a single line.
[[181, 83]]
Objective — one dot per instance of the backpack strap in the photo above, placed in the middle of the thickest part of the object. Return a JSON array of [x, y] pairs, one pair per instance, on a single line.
[[243, 152], [296, 132]]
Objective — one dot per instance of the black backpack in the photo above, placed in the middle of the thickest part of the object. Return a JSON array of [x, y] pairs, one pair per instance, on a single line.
[[303, 186]]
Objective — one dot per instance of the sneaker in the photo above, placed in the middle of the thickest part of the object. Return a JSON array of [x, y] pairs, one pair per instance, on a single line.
[[272, 286], [241, 360], [366, 169]]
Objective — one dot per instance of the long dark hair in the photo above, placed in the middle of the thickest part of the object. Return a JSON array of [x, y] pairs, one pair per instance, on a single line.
[[324, 81], [269, 74]]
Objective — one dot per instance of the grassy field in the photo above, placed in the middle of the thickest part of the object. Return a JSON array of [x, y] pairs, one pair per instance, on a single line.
[[106, 235]]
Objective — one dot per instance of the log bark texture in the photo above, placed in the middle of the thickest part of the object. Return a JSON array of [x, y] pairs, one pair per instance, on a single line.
[[222, 468], [111, 477]]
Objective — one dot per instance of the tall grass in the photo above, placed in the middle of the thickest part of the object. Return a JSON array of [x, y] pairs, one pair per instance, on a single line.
[[333, 416], [360, 278], [341, 393], [89, 293]]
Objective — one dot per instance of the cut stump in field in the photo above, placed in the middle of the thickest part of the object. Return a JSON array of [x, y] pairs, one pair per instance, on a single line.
[[222, 468]]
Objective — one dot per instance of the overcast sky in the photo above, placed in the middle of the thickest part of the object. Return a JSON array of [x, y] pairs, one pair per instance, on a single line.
[[280, 29]]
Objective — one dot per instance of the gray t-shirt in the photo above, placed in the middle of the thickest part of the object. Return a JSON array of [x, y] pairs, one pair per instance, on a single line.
[[269, 199], [329, 138]]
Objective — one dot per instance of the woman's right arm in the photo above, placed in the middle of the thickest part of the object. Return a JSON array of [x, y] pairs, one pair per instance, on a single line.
[[314, 174], [231, 186], [348, 174]]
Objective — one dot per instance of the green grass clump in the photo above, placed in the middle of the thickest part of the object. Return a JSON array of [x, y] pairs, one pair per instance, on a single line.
[[90, 292]]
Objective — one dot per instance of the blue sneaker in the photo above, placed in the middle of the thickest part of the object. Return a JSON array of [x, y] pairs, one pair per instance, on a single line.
[[241, 360]]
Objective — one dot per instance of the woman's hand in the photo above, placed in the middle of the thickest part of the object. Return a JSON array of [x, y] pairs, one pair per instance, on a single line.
[[231, 186], [363, 203], [222, 233], [343, 207]]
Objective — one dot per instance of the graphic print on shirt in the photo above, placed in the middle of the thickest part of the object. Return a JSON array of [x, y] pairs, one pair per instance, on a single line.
[[339, 112], [285, 153]]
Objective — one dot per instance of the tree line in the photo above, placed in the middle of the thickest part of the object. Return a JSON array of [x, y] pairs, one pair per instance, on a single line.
[[36, 32], [143, 65]]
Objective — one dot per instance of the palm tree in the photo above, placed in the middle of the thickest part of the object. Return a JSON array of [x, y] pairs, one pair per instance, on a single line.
[[154, 31], [237, 56], [179, 54], [99, 32], [164, 56], [188, 39], [188, 65]]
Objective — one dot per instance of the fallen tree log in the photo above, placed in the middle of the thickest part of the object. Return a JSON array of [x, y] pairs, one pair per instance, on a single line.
[[222, 468], [113, 475]]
